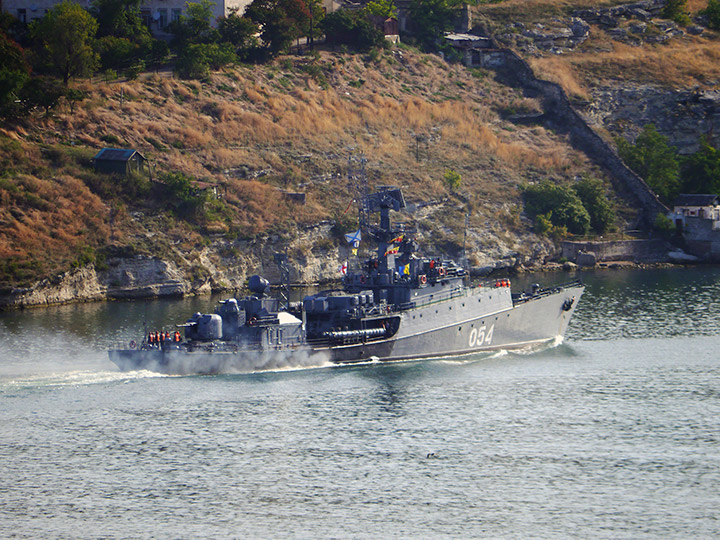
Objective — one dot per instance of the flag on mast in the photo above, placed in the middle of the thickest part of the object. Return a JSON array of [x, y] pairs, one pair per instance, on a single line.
[[343, 268], [354, 238]]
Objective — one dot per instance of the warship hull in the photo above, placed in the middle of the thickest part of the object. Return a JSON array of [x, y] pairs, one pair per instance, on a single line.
[[477, 321]]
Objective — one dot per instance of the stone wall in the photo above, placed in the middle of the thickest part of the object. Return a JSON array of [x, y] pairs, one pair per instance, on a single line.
[[640, 251], [701, 239], [559, 113]]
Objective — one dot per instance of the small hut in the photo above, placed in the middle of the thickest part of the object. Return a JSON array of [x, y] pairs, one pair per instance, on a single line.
[[119, 161]]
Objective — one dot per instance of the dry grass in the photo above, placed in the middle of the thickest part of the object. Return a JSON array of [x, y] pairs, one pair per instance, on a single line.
[[560, 71], [301, 137], [679, 64]]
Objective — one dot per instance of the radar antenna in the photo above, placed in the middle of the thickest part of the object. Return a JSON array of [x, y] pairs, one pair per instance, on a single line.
[[358, 182]]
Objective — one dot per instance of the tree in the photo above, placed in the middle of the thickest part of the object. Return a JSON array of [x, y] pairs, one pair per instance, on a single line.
[[116, 52], [74, 96], [701, 170], [195, 26], [65, 36], [42, 92], [282, 21], [239, 32], [14, 73], [159, 51], [353, 28], [120, 19], [654, 160], [195, 61], [432, 18], [382, 8]]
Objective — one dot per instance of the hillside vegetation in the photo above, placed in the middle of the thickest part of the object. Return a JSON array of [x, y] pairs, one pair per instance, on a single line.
[[295, 125], [290, 125]]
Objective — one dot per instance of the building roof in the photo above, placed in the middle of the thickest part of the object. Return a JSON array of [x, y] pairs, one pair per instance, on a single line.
[[696, 200], [116, 154]]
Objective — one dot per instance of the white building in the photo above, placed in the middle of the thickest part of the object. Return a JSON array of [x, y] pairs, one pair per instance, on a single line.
[[156, 14], [705, 207]]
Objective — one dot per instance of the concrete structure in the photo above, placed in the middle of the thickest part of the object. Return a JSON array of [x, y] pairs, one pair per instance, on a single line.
[[639, 251], [698, 218], [470, 45], [696, 206], [119, 161]]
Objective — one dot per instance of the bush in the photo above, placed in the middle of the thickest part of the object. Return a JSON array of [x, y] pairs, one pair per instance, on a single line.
[[452, 180], [116, 53], [676, 10], [195, 61], [712, 13], [185, 201], [558, 204], [592, 195]]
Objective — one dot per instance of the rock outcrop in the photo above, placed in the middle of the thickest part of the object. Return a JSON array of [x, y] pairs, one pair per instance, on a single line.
[[684, 116]]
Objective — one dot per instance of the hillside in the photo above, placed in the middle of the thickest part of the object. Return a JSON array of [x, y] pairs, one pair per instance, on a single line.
[[632, 68], [297, 125], [290, 125]]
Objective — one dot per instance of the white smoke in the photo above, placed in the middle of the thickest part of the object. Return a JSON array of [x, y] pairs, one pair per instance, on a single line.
[[182, 363]]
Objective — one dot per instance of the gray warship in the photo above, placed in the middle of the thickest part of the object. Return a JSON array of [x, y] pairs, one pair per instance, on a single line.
[[397, 305]]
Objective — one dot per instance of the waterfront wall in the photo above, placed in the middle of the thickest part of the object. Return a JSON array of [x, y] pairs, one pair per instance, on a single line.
[[639, 251]]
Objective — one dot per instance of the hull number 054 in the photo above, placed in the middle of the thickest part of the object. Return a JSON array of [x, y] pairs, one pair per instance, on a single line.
[[481, 336]]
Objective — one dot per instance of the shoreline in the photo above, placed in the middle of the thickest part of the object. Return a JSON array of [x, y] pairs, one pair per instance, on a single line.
[[44, 294]]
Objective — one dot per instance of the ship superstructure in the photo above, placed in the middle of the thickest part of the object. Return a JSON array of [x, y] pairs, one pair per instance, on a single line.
[[396, 305]]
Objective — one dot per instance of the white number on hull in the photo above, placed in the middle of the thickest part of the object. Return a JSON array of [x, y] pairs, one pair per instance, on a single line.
[[479, 336]]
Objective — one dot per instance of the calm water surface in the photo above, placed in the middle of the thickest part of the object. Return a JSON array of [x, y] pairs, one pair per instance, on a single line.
[[613, 434]]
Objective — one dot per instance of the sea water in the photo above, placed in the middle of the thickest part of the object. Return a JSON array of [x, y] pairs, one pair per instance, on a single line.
[[613, 434]]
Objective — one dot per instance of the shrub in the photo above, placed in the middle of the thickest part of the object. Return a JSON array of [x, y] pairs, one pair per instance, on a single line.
[[677, 10], [195, 61], [115, 53], [185, 201], [134, 70], [452, 180], [558, 204], [712, 13]]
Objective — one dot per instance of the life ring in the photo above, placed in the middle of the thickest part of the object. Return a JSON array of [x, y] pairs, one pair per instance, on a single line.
[[422, 279], [362, 279], [133, 344], [441, 271]]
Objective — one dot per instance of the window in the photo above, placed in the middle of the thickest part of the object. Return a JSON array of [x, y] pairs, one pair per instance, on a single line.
[[176, 14], [22, 15], [146, 17], [162, 18]]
